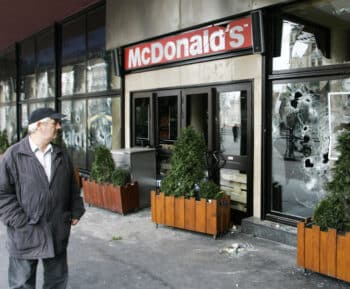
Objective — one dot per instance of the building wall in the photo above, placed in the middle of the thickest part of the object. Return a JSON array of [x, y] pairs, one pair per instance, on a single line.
[[206, 73], [129, 21]]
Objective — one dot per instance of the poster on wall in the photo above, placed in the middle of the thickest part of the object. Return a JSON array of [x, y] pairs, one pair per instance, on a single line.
[[339, 119]]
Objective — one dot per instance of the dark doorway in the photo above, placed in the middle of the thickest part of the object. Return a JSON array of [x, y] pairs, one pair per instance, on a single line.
[[223, 114]]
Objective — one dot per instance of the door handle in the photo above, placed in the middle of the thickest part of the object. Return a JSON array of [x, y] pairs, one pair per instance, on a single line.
[[219, 158]]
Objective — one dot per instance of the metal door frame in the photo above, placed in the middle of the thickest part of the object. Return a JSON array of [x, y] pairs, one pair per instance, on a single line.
[[239, 162]]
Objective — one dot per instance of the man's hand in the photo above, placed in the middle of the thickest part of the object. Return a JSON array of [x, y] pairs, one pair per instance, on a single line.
[[74, 221]]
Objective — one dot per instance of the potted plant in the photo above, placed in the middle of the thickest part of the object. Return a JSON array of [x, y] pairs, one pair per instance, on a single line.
[[4, 142], [323, 243], [187, 200], [109, 187]]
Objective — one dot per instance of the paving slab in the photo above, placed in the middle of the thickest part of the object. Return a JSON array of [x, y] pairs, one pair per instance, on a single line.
[[108, 251]]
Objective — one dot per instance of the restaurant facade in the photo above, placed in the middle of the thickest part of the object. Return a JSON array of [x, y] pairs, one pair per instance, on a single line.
[[266, 82]]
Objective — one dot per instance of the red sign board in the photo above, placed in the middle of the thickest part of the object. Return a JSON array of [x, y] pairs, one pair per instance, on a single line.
[[234, 35]]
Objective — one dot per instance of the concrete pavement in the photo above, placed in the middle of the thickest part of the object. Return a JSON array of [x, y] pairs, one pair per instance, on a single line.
[[110, 251]]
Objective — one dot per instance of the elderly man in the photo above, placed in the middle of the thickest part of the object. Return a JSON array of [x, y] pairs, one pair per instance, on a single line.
[[39, 201]]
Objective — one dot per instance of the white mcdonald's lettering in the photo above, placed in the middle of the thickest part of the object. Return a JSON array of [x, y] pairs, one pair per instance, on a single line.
[[146, 59], [134, 57], [236, 36], [182, 45], [156, 52], [217, 40], [170, 50], [191, 44], [196, 47]]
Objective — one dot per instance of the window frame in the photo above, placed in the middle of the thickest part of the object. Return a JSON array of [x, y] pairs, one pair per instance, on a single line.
[[326, 72]]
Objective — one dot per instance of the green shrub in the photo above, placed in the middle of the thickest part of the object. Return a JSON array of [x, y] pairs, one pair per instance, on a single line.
[[209, 190], [120, 177], [186, 172], [329, 213], [103, 165], [334, 210], [4, 141], [187, 164]]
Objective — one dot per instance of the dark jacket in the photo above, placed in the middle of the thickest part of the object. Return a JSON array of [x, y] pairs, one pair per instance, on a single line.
[[37, 212]]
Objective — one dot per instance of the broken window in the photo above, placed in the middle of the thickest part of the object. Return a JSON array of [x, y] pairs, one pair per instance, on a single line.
[[306, 116]]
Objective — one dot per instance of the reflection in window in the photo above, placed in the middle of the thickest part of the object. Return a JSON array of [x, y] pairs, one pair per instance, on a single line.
[[8, 76], [114, 77], [73, 41], [301, 143], [104, 122], [73, 79], [7, 90], [233, 122], [27, 60], [100, 122], [34, 106], [24, 119], [29, 87], [197, 113], [97, 75], [234, 184], [74, 130], [96, 33], [8, 121], [45, 64], [167, 117], [142, 122], [324, 43], [45, 84]]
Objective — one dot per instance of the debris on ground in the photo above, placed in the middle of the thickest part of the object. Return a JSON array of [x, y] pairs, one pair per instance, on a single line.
[[237, 249]]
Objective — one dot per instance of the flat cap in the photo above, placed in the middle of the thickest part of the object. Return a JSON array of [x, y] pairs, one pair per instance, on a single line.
[[44, 112]]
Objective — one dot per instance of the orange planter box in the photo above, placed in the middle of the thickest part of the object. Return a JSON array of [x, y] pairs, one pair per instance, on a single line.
[[209, 217], [114, 198], [326, 252]]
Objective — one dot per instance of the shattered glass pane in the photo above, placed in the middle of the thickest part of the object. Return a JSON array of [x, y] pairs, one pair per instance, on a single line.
[[300, 144]]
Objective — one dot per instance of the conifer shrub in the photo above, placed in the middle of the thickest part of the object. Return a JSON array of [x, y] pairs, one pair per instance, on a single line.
[[334, 210], [187, 164], [186, 174], [209, 190], [120, 177], [103, 165], [103, 168]]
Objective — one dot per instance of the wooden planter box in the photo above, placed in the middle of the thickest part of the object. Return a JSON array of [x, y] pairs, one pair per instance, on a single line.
[[327, 252], [114, 198], [209, 217]]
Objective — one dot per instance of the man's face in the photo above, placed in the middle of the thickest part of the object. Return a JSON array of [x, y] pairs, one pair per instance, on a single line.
[[49, 129]]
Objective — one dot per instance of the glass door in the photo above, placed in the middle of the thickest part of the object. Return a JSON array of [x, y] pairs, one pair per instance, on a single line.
[[197, 112], [233, 147], [142, 120], [167, 127]]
